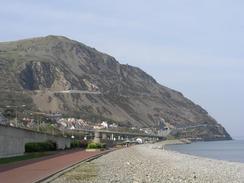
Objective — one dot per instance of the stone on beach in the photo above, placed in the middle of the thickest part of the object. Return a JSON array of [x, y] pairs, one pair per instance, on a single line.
[[144, 163]]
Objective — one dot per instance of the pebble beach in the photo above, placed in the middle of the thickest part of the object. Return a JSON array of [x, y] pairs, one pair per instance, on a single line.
[[151, 163]]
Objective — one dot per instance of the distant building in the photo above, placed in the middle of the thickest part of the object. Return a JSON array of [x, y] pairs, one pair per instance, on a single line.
[[70, 123], [113, 125], [72, 128], [3, 120], [139, 140], [104, 124], [98, 127], [53, 116]]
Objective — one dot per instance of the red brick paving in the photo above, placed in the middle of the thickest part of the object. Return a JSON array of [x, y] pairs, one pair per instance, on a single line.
[[5, 167], [37, 170]]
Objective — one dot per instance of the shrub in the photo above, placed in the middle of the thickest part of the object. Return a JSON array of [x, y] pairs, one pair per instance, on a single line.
[[52, 146], [94, 145], [83, 144], [40, 146], [75, 143]]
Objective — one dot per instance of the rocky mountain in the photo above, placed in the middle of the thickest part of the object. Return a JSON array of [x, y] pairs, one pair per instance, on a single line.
[[56, 74]]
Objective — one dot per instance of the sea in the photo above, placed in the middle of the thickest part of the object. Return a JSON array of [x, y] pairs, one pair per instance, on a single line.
[[229, 150]]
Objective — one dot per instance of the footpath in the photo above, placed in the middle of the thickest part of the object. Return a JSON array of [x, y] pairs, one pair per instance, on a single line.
[[36, 170]]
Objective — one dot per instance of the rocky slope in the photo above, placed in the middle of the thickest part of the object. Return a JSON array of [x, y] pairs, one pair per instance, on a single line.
[[56, 74]]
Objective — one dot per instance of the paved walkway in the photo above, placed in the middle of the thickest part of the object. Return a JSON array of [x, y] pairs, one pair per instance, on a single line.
[[32, 172]]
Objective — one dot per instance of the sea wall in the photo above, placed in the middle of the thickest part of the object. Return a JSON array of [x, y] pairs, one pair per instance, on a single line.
[[13, 140]]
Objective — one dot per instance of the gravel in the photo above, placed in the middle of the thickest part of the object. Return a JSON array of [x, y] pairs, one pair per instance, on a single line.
[[149, 163]]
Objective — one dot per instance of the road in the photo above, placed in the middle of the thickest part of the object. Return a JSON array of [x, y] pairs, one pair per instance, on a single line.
[[77, 91]]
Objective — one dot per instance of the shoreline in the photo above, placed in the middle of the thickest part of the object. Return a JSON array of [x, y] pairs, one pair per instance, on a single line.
[[150, 163], [165, 146], [174, 142]]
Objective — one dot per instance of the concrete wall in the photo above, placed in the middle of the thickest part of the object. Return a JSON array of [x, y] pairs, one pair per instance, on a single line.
[[13, 140]]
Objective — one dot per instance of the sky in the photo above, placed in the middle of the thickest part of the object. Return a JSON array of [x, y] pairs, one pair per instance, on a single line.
[[192, 46]]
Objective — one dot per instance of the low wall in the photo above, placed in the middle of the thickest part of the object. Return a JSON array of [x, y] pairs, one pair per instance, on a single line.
[[13, 140]]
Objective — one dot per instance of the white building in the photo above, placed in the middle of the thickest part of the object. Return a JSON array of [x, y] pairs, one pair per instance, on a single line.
[[104, 124]]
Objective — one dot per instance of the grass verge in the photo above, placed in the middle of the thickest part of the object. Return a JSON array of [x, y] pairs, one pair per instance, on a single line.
[[23, 157], [85, 172]]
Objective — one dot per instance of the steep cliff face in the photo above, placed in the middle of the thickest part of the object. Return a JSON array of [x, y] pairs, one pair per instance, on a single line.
[[58, 74]]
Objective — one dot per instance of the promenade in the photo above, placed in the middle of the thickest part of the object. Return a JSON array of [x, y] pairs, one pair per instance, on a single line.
[[35, 170]]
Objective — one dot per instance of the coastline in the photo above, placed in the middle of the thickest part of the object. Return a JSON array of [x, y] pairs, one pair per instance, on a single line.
[[164, 143], [152, 163], [225, 150]]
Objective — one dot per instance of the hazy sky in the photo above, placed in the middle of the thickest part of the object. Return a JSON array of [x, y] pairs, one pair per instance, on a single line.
[[194, 46]]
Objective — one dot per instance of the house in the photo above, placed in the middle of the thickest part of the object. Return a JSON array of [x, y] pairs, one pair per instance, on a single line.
[[98, 127], [139, 140], [113, 125], [3, 120], [53, 116], [104, 124]]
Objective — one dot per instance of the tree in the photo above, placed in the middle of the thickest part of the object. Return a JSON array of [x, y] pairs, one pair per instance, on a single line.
[[9, 113]]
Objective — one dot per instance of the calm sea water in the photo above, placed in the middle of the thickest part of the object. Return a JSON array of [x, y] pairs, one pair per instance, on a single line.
[[232, 150]]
